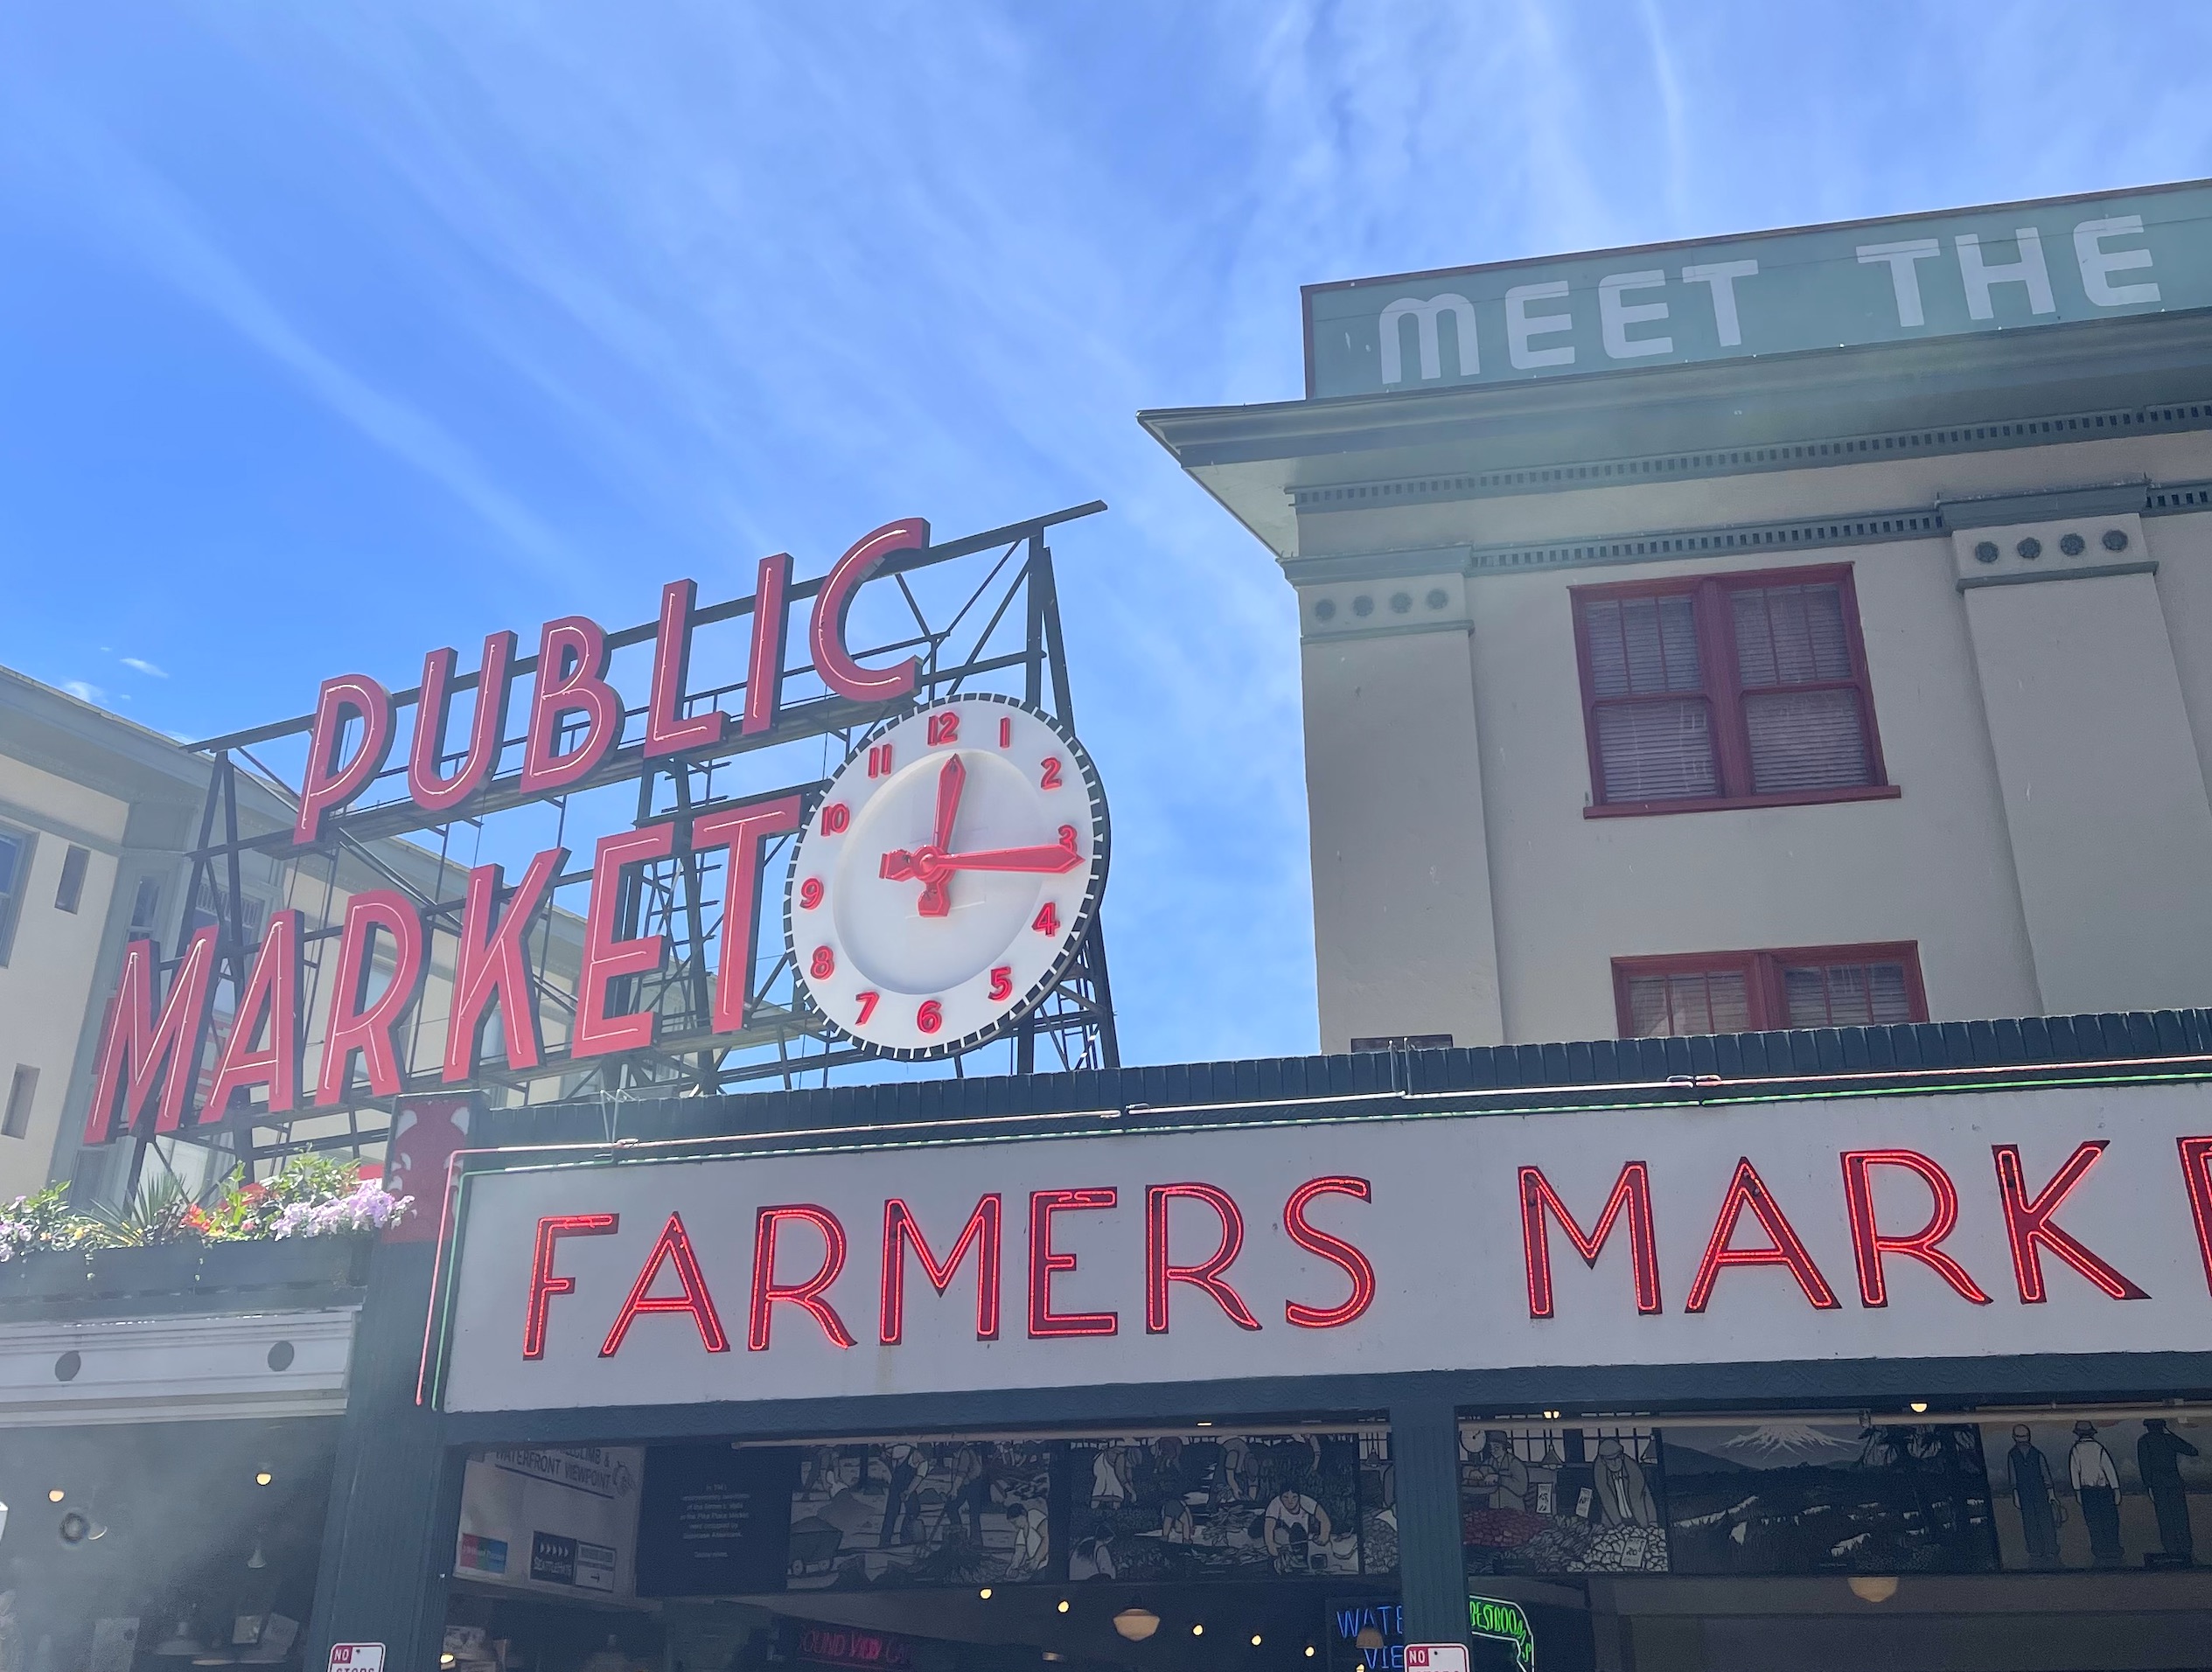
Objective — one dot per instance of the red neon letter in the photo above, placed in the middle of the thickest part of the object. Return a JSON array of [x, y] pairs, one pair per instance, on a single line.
[[133, 1046], [432, 790], [1335, 1249], [489, 964], [572, 667], [1632, 1195], [1749, 1190], [666, 732], [1870, 1244], [767, 1292], [771, 619], [826, 632], [606, 959], [327, 783], [356, 1024], [2196, 1171], [741, 829], [272, 993], [1045, 1323], [673, 1248], [981, 1232], [543, 1284], [1160, 1271], [2027, 1225]]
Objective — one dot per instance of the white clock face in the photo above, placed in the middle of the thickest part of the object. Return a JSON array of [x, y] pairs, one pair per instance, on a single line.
[[947, 876]]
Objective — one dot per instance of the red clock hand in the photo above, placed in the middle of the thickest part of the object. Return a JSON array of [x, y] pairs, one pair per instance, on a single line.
[[950, 781], [934, 866], [1052, 860], [899, 865]]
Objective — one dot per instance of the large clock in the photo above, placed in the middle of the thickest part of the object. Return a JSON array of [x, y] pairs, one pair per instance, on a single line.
[[947, 876]]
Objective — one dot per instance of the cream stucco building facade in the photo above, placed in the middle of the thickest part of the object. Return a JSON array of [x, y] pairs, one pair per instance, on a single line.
[[98, 819], [1869, 683]]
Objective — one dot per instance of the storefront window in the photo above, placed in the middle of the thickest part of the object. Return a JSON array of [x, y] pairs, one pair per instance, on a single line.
[[1274, 1549], [1814, 1542]]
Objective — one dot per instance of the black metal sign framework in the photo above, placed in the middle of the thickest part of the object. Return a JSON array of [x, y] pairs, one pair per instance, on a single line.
[[975, 613]]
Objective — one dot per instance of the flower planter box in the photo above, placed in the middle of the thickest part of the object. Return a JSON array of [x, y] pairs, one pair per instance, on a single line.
[[50, 1282]]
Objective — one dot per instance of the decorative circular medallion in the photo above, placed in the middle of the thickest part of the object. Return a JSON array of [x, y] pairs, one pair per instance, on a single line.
[[947, 876]]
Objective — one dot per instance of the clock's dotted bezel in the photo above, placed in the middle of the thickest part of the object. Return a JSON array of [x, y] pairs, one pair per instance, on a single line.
[[1072, 943]]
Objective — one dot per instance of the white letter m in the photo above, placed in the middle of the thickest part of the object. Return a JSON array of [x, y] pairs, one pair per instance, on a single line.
[[1470, 359]]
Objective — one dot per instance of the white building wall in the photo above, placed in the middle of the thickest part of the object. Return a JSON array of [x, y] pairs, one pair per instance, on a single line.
[[2110, 698], [46, 983]]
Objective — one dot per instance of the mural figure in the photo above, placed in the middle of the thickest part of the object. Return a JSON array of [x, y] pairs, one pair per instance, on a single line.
[[1202, 1506], [2157, 1458], [913, 1513], [2028, 1477], [2096, 1479], [1296, 1524], [1623, 1497], [1561, 1500], [1500, 1473]]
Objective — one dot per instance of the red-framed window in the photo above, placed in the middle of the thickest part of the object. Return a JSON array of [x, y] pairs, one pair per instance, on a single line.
[[1726, 691], [1796, 987]]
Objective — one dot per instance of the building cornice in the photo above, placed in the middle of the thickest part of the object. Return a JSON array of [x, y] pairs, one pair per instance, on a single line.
[[88, 1372]]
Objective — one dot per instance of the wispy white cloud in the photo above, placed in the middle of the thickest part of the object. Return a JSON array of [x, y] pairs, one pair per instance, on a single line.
[[678, 290], [84, 690], [142, 212], [139, 665]]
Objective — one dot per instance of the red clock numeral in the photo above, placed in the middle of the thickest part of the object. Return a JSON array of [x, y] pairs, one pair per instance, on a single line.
[[945, 727], [835, 818], [868, 1005], [1048, 921], [1051, 778], [879, 759], [810, 893], [824, 964], [1068, 837], [1005, 733], [929, 1017], [1002, 981]]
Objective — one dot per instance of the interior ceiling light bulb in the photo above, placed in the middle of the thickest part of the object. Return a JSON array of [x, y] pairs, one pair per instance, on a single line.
[[1197, 1631], [1255, 1640], [1309, 1651], [263, 1478], [56, 1496], [1136, 1624], [984, 1593], [1919, 1405], [1872, 1587], [1064, 1604]]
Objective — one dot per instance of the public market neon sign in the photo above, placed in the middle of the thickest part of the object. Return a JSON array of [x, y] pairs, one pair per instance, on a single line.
[[153, 1038]]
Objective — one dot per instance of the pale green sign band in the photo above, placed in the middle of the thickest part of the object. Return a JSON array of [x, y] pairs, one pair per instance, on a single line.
[[2054, 261]]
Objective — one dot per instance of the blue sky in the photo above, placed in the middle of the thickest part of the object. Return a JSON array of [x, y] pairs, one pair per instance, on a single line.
[[332, 332]]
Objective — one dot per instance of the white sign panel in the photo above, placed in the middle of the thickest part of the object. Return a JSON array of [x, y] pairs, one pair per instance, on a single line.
[[357, 1657], [561, 1520], [2063, 1220]]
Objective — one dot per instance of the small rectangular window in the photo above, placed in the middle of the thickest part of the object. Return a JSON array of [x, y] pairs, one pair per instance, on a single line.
[[145, 906], [71, 894], [16, 1123], [14, 875], [1726, 691], [1734, 992]]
